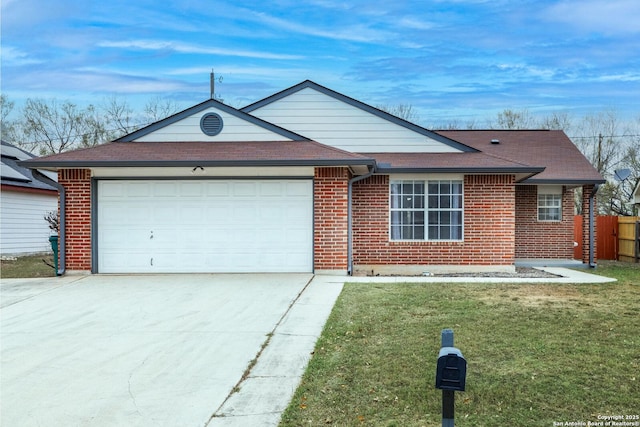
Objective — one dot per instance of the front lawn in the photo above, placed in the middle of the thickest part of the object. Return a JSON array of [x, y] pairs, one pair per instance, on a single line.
[[537, 354], [27, 266]]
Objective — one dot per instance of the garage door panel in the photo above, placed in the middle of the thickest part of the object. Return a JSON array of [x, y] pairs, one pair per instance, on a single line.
[[218, 189], [129, 262], [113, 238], [192, 189], [205, 226], [245, 189], [139, 189], [165, 189]]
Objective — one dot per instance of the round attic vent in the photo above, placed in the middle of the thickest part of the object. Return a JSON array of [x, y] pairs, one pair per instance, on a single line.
[[211, 124]]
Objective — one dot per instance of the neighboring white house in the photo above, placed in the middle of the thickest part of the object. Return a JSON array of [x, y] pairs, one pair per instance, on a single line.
[[26, 196], [636, 194]]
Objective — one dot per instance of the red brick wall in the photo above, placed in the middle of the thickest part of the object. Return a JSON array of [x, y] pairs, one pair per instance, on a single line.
[[77, 185], [489, 226], [542, 239], [330, 199]]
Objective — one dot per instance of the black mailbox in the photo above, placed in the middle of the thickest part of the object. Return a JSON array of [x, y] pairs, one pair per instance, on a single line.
[[451, 372]]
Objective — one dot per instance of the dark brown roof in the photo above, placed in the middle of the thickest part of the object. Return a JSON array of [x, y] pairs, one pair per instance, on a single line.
[[451, 163], [264, 153], [552, 149]]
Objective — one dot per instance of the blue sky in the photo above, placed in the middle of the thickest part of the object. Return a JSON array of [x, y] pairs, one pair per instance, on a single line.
[[451, 60]]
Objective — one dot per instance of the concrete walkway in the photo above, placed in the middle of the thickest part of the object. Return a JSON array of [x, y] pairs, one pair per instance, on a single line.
[[270, 385], [565, 275]]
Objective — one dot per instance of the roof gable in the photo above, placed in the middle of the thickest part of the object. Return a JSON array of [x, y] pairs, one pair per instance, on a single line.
[[346, 123], [235, 126]]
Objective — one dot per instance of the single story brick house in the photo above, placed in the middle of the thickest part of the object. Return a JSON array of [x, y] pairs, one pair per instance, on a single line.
[[311, 180]]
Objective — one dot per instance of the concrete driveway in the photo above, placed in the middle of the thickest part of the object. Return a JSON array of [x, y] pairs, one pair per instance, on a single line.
[[166, 350]]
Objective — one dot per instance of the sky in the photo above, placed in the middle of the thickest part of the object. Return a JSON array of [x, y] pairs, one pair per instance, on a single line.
[[452, 61]]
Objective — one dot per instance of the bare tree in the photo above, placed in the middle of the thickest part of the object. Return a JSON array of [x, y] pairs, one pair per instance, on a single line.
[[511, 119], [119, 115], [557, 121], [48, 127], [601, 138], [158, 108], [7, 127], [404, 111]]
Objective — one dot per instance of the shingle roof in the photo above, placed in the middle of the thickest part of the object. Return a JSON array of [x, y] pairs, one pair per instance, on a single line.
[[252, 153], [562, 160], [451, 163], [16, 175]]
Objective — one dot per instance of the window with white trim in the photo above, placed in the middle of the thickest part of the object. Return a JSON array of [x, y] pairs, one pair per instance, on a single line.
[[549, 207], [426, 210]]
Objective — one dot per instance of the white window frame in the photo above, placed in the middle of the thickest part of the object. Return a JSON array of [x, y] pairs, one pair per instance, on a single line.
[[549, 203], [423, 207]]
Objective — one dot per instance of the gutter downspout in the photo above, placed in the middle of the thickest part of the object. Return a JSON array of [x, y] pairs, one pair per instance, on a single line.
[[63, 220], [592, 196], [350, 219]]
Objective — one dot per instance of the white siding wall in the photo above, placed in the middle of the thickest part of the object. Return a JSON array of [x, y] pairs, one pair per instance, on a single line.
[[234, 129], [333, 122], [23, 228]]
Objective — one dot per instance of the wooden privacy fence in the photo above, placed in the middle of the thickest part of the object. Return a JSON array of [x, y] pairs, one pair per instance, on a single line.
[[618, 238], [629, 238]]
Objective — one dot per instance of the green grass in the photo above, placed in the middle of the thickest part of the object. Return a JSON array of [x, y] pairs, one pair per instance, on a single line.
[[537, 354], [27, 266]]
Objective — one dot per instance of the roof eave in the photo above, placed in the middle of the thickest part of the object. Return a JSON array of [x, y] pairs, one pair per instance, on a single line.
[[191, 163], [559, 181], [468, 170]]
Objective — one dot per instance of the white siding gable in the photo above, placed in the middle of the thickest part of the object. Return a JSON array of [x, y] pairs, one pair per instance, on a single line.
[[332, 122], [234, 129]]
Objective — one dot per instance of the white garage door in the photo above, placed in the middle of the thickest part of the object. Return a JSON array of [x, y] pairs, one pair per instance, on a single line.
[[181, 226]]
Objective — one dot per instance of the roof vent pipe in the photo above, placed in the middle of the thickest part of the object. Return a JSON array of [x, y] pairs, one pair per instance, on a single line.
[[495, 141]]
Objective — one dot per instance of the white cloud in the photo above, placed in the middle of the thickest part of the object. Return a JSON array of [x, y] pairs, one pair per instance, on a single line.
[[597, 16], [15, 57], [246, 71], [355, 33], [190, 48], [415, 24], [625, 77]]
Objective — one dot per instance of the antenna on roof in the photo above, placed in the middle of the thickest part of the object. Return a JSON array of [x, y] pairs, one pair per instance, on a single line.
[[212, 84]]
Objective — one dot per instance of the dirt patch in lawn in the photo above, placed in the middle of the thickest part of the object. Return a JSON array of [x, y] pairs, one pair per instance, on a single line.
[[537, 295]]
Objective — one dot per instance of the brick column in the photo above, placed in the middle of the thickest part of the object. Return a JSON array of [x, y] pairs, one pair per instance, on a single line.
[[77, 185], [587, 190], [330, 234]]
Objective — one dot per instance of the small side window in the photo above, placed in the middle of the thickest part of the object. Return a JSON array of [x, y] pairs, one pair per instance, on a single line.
[[549, 207]]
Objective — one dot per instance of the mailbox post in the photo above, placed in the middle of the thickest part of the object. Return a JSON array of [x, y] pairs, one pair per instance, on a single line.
[[451, 373]]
